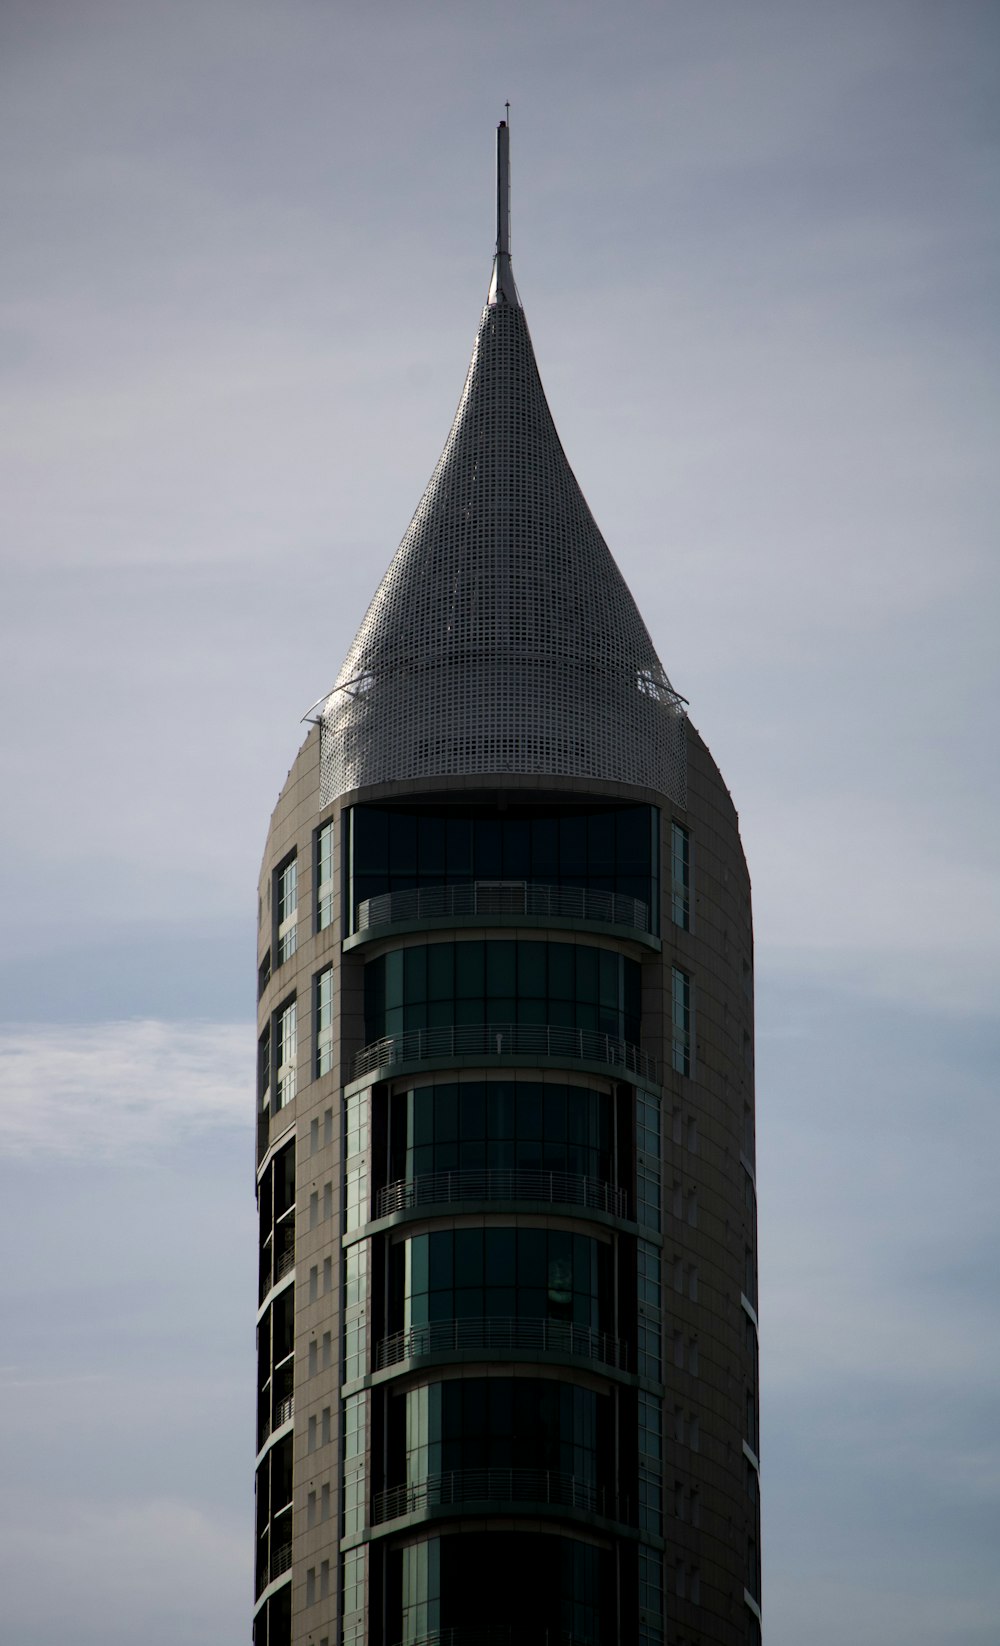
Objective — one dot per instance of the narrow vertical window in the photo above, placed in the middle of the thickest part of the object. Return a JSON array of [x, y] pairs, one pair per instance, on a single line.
[[650, 1597], [650, 1463], [647, 1139], [680, 875], [287, 1050], [264, 1071], [286, 909], [324, 877], [681, 1043], [324, 1023]]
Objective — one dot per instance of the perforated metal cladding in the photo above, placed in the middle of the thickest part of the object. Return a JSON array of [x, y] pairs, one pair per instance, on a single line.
[[503, 637]]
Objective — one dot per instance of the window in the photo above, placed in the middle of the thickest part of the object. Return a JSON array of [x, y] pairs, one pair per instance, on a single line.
[[681, 1014], [287, 1051], [475, 1423], [525, 1274], [353, 1569], [264, 1071], [503, 981], [650, 1581], [680, 876], [647, 1138], [324, 1025], [611, 849], [355, 1491], [324, 877], [286, 895], [503, 1125], [650, 1463]]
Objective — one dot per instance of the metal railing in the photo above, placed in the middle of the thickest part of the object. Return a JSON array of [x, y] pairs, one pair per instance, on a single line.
[[283, 1260], [502, 897], [503, 1040], [500, 1183], [281, 1560], [503, 1334], [504, 1634], [456, 1486]]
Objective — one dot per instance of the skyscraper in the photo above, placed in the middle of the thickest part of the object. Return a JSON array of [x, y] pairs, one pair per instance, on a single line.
[[507, 1338]]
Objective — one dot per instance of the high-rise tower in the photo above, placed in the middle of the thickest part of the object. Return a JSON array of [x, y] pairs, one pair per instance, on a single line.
[[507, 1339]]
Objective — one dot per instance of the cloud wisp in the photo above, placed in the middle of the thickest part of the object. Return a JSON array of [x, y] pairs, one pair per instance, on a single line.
[[119, 1089]]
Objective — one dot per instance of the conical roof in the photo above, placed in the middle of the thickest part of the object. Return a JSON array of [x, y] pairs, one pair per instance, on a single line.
[[503, 637]]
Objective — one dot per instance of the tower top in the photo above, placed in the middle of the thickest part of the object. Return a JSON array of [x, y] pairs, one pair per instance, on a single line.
[[503, 638], [502, 287]]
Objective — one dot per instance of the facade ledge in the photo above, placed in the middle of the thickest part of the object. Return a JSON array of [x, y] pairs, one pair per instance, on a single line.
[[512, 1045], [505, 903], [272, 1589], [276, 1434], [515, 1508], [432, 1213], [479, 923], [492, 1357], [554, 1188], [274, 1291], [272, 1144]]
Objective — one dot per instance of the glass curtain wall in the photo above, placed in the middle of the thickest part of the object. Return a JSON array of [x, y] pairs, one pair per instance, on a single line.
[[607, 848]]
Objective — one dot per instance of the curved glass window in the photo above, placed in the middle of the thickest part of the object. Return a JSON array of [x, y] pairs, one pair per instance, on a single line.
[[516, 1423], [433, 985], [500, 1125], [608, 848], [444, 1586], [513, 1273]]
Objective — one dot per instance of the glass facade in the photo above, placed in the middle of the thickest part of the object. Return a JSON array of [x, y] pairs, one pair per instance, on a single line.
[[681, 1018], [601, 848], [572, 985], [286, 1054], [500, 1125], [323, 1009], [324, 876], [500, 1273], [496, 1423], [680, 876], [286, 900], [440, 1587]]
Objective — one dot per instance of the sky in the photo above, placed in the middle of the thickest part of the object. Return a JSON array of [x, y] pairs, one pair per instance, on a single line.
[[246, 244]]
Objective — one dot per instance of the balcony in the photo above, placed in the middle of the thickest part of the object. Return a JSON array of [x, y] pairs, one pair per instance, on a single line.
[[554, 1188], [485, 1041], [501, 900], [278, 1256], [507, 1634], [461, 1486], [505, 1336], [281, 1559]]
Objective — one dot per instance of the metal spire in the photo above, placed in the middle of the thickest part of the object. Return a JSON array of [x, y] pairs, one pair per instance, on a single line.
[[502, 287]]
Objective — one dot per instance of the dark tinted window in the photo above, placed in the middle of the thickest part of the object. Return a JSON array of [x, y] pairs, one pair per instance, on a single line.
[[499, 981], [608, 848]]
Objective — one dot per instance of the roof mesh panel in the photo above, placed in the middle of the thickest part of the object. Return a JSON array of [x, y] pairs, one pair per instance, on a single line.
[[503, 637]]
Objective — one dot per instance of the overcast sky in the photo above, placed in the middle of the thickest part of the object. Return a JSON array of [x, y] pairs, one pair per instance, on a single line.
[[246, 243]]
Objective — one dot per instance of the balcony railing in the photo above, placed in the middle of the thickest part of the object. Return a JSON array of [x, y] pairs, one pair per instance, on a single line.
[[504, 1335], [457, 1486], [283, 1258], [556, 1188], [502, 897], [506, 1634], [488, 1040]]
